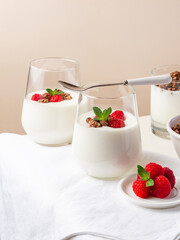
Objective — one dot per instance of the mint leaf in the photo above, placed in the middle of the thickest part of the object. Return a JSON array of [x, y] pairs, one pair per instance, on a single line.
[[60, 92], [150, 183], [55, 92], [102, 115], [144, 179], [143, 173], [50, 91], [98, 112], [106, 113]]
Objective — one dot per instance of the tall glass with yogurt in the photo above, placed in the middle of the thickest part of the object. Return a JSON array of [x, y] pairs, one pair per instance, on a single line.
[[165, 100], [106, 152], [50, 122]]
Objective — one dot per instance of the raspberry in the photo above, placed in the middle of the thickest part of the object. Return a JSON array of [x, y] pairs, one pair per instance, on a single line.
[[138, 177], [56, 98], [116, 123], [154, 169], [168, 173], [36, 97], [162, 187], [140, 189], [118, 114]]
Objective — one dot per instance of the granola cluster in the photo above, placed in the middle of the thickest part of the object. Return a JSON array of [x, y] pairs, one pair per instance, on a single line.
[[176, 128], [174, 85], [96, 123], [66, 96], [45, 98]]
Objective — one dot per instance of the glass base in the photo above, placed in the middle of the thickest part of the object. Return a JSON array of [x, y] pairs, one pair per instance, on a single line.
[[128, 172], [106, 179], [54, 145], [159, 130], [49, 144]]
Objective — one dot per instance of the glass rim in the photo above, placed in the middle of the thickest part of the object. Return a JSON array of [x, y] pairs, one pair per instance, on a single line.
[[76, 63], [163, 66], [105, 98]]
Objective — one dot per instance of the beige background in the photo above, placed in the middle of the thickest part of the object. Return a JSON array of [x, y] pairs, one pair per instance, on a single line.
[[111, 39]]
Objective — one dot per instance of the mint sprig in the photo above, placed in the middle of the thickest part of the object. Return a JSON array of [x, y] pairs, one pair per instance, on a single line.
[[102, 115], [150, 183], [145, 176], [55, 92]]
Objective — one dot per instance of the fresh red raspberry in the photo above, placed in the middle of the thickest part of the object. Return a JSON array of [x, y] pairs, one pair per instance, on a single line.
[[138, 177], [168, 173], [116, 123], [118, 114], [140, 189], [154, 169], [36, 97], [56, 98], [162, 187]]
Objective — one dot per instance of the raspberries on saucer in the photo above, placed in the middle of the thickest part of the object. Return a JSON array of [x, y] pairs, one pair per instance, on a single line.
[[153, 180], [154, 169], [168, 173], [140, 189], [162, 187]]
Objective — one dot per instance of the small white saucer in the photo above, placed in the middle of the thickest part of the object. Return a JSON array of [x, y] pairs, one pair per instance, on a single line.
[[125, 190]]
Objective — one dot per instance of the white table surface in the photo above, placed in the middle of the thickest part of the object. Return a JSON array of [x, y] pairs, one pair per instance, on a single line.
[[45, 195]]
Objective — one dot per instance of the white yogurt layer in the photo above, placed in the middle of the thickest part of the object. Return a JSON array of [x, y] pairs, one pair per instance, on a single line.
[[107, 152], [164, 104], [49, 123]]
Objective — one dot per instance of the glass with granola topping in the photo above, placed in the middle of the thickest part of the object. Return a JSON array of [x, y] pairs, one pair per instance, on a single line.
[[49, 111], [106, 140], [165, 100]]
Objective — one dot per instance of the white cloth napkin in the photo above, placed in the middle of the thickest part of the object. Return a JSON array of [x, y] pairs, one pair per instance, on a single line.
[[44, 195]]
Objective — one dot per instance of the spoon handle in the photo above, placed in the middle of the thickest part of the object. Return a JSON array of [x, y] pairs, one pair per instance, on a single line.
[[152, 80]]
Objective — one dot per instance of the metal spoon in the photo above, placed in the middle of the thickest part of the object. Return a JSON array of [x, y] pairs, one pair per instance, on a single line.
[[152, 80]]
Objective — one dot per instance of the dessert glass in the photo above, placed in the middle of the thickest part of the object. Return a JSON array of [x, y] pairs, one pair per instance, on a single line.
[[165, 103], [50, 123], [106, 152]]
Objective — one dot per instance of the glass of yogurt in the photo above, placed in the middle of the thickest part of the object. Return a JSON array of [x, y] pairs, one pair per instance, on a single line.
[[106, 140], [48, 113], [165, 100]]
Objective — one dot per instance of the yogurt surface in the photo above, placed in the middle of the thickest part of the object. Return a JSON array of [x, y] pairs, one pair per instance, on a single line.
[[107, 152]]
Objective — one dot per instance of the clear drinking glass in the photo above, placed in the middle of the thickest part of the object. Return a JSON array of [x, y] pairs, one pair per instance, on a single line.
[[52, 122], [107, 152], [165, 103]]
